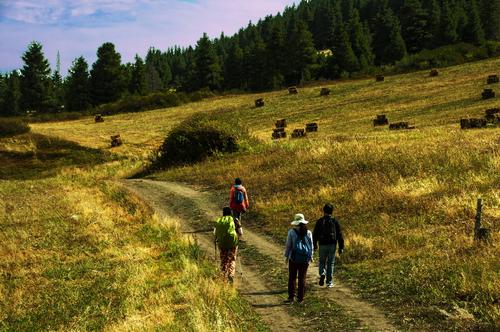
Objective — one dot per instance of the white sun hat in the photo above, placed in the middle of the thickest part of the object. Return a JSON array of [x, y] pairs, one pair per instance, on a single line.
[[299, 219]]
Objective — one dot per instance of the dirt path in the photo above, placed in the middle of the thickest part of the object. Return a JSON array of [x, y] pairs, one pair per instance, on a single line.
[[265, 299]]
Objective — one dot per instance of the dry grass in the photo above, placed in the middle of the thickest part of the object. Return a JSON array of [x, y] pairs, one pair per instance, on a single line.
[[79, 253], [406, 199]]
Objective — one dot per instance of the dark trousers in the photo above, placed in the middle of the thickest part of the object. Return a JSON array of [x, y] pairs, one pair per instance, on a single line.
[[237, 214], [293, 270]]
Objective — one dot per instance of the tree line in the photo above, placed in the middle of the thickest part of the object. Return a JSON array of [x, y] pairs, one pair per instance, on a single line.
[[315, 39]]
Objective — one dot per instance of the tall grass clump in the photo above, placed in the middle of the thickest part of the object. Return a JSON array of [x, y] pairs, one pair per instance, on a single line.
[[12, 127]]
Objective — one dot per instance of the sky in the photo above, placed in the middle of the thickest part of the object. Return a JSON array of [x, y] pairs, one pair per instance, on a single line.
[[78, 27]]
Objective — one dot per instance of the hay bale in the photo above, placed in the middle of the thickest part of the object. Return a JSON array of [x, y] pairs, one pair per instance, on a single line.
[[472, 123], [259, 102], [116, 140], [492, 79], [324, 92], [281, 123], [488, 94], [298, 133], [380, 78], [492, 115], [311, 127], [293, 90], [98, 118], [434, 73], [400, 125], [279, 133], [380, 120]]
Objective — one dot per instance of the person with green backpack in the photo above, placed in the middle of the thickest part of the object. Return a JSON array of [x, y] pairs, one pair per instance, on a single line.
[[227, 232], [298, 254]]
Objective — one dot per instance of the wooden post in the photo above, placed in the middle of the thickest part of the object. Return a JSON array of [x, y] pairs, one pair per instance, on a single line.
[[477, 225]]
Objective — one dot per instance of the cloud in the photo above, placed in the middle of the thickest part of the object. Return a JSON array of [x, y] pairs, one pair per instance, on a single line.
[[79, 27]]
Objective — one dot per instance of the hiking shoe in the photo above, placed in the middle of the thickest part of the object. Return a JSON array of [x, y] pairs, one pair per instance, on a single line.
[[330, 284], [300, 302], [289, 300], [321, 280]]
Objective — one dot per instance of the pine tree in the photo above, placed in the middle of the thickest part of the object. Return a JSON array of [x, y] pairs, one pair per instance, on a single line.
[[448, 25], [461, 16], [414, 25], [360, 38], [78, 86], [255, 63], [153, 80], [138, 77], [35, 80], [490, 13], [208, 70], [323, 25], [275, 54], [107, 81], [12, 95], [474, 32], [57, 84], [301, 52], [234, 66], [343, 59], [159, 60], [433, 27], [388, 44], [3, 91]]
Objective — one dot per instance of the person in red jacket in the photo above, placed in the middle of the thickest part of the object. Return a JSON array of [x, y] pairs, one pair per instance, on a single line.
[[238, 199]]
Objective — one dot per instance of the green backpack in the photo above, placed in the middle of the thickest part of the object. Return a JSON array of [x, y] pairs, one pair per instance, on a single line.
[[225, 232]]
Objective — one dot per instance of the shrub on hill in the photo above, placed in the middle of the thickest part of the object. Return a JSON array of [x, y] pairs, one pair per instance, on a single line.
[[449, 55], [12, 127], [198, 138], [150, 102]]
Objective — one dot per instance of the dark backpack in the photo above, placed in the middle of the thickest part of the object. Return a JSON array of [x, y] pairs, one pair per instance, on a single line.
[[329, 233], [239, 196], [302, 249]]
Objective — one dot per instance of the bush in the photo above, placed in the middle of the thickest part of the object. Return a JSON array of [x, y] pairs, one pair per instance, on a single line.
[[198, 138], [12, 127], [151, 102], [444, 56]]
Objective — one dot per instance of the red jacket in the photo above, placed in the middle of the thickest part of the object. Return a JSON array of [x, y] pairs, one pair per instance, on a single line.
[[238, 206]]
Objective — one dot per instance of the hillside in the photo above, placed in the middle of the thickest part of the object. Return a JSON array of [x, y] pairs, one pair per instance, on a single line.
[[406, 199]]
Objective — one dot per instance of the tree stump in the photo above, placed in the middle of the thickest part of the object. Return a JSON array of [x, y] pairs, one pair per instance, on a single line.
[[380, 78], [311, 127], [488, 94], [259, 102], [480, 233], [492, 79], [293, 90], [98, 118], [472, 123], [380, 120], [281, 123], [116, 140], [324, 92], [298, 133], [434, 73]]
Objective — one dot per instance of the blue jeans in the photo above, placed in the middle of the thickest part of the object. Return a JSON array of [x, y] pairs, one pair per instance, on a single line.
[[327, 260]]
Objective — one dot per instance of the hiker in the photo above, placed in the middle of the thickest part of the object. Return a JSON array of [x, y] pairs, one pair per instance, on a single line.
[[227, 231], [238, 199], [327, 233], [298, 254]]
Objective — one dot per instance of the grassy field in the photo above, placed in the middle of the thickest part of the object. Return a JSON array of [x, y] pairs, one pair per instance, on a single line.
[[79, 253], [406, 199]]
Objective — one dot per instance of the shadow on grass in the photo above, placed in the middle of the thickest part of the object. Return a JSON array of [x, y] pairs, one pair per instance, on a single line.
[[46, 157]]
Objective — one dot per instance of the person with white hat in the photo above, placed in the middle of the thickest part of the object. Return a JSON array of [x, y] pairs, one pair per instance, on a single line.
[[298, 254]]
